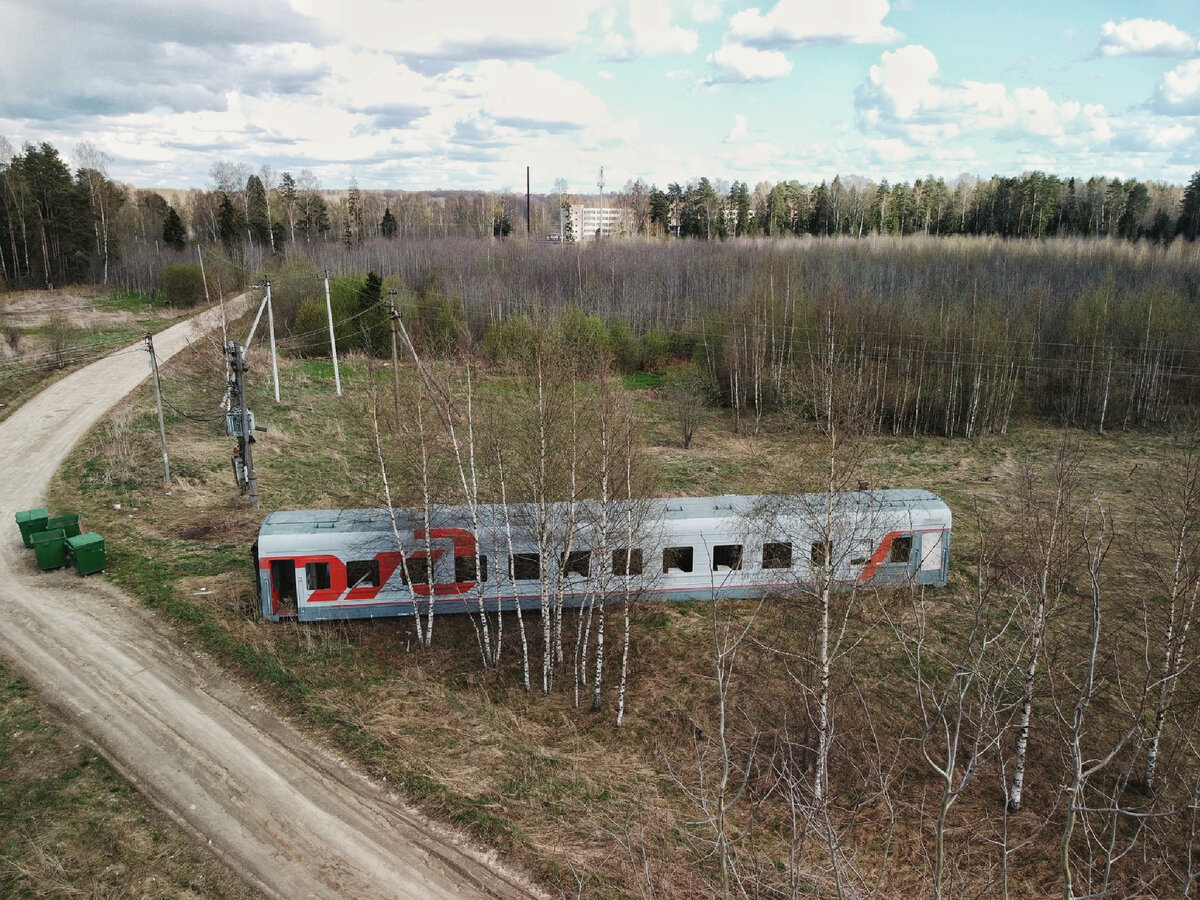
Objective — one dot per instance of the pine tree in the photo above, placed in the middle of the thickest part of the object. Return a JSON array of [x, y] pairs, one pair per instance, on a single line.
[[387, 225], [1189, 218], [174, 235], [227, 221], [257, 214]]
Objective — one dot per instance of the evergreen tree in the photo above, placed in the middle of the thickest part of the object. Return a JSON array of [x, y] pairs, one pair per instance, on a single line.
[[1188, 223], [227, 222], [258, 217], [387, 225], [373, 317], [287, 192], [660, 210], [174, 235], [739, 202]]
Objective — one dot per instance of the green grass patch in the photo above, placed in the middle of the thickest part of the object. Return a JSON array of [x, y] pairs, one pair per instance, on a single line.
[[136, 302], [641, 381]]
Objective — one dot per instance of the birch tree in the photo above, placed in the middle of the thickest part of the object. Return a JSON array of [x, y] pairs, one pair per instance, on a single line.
[[1046, 513], [1172, 517], [959, 698]]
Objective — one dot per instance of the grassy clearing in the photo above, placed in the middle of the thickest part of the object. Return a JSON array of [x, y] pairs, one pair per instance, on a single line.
[[559, 788], [70, 826], [48, 334]]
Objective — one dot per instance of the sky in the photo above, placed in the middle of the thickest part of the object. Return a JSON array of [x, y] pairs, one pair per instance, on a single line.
[[461, 94]]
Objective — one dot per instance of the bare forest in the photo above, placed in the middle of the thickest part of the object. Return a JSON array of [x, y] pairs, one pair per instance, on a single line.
[[1031, 729]]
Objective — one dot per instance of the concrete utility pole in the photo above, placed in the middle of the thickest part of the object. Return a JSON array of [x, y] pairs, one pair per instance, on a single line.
[[394, 315], [266, 305], [243, 429], [337, 379], [271, 330], [162, 429]]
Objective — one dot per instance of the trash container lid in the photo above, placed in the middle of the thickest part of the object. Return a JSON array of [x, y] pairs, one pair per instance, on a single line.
[[30, 515], [84, 540]]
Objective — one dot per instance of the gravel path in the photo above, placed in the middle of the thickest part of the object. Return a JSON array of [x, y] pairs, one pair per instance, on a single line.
[[285, 814]]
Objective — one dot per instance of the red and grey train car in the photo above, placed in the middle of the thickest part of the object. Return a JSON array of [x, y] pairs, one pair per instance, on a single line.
[[363, 563]]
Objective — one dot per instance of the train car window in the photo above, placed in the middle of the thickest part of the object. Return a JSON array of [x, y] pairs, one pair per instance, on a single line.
[[822, 553], [464, 568], [316, 576], [777, 555], [577, 562], [415, 570], [627, 562], [525, 566], [677, 558], [362, 573], [901, 550], [727, 556]]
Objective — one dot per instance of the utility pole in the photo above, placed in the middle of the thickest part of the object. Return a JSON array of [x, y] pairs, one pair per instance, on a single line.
[[337, 379], [528, 208], [240, 423], [394, 315], [162, 429], [266, 305], [271, 328], [600, 184]]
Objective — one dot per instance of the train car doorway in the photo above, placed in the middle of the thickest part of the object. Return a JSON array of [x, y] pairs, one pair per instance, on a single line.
[[283, 586]]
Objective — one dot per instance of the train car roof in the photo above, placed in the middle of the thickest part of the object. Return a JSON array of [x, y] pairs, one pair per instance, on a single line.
[[663, 509]]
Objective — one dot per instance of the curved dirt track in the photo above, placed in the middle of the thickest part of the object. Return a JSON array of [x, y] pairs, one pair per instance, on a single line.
[[279, 810]]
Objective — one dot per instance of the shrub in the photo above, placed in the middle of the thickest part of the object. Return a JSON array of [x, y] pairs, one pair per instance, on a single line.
[[310, 332], [62, 335], [183, 284]]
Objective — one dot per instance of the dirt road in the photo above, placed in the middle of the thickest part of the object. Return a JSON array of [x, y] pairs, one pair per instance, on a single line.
[[285, 814]]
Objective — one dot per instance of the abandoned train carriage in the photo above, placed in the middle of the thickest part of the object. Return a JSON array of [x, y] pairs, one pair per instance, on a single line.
[[348, 563]]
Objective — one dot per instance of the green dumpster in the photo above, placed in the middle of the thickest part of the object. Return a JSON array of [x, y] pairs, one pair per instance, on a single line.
[[31, 521], [87, 550], [69, 524], [50, 548]]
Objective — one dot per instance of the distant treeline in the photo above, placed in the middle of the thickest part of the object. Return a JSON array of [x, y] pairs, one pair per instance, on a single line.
[[954, 336], [60, 226]]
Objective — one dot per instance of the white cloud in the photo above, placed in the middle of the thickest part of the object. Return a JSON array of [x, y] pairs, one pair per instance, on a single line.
[[1144, 37], [522, 94], [905, 76], [793, 23], [904, 96], [892, 150], [652, 33], [1179, 91], [739, 130], [737, 62], [463, 31], [706, 10], [1171, 136]]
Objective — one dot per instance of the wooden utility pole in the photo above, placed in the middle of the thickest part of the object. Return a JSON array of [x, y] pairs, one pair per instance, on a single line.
[[162, 428]]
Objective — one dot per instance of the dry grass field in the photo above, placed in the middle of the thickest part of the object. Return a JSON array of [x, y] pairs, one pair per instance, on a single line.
[[592, 810]]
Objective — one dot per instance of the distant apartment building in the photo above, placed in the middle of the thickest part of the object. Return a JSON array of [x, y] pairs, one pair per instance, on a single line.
[[586, 223]]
